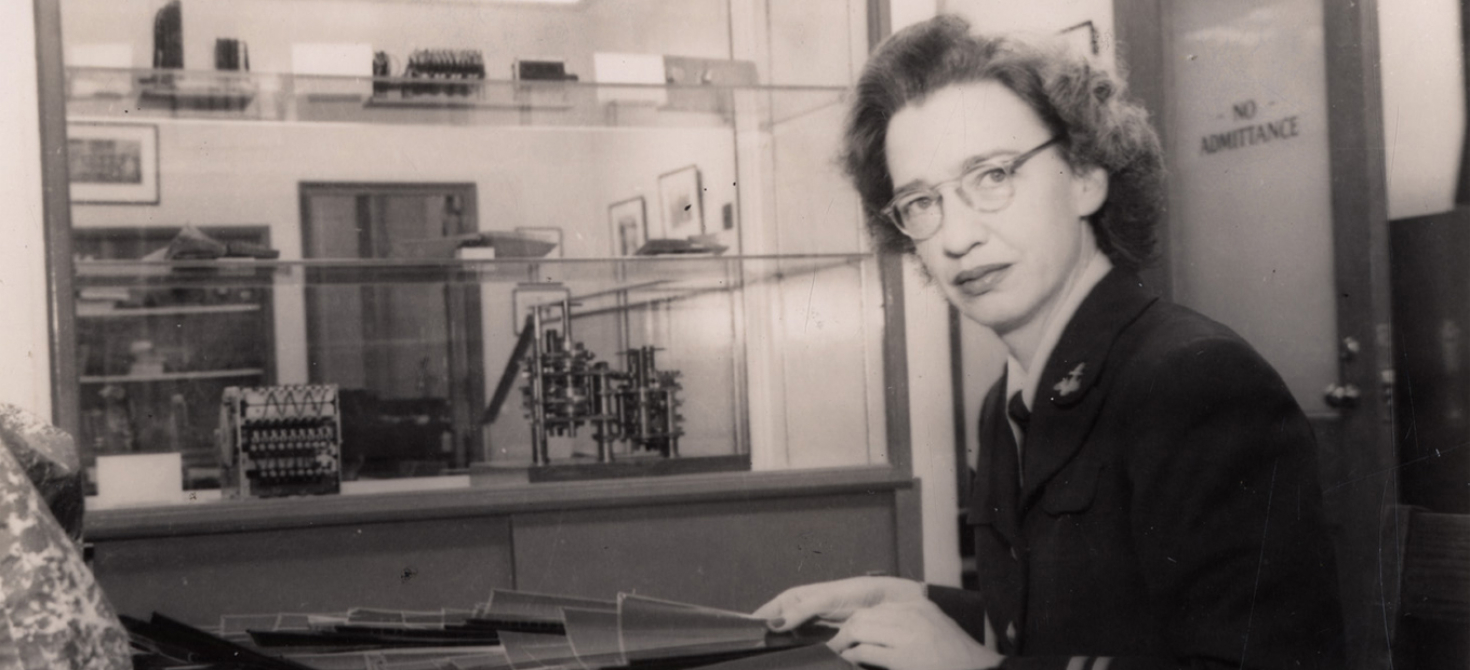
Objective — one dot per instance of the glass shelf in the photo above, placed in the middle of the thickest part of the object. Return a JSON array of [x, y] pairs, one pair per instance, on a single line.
[[172, 376], [90, 310], [196, 94], [614, 274]]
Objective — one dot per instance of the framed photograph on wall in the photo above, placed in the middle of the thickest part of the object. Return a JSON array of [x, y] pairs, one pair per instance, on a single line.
[[629, 224], [113, 163], [1083, 39], [681, 203]]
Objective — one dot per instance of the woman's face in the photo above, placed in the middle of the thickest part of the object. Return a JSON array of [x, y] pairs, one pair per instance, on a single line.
[[1004, 269]]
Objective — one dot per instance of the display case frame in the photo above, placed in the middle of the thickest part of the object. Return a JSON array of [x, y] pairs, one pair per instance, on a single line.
[[747, 112], [202, 533]]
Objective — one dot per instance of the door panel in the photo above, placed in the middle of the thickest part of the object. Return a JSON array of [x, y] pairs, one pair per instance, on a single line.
[[1250, 202], [1278, 228]]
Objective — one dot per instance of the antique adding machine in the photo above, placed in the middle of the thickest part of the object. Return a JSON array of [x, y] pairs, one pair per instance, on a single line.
[[280, 441], [568, 389]]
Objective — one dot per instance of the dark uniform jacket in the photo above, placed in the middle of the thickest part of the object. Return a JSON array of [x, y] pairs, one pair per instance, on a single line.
[[1170, 513]]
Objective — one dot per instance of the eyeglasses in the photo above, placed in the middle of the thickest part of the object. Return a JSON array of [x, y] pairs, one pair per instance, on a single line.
[[986, 187]]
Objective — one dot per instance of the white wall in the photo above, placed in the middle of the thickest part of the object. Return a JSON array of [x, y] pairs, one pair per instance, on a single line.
[[1045, 17], [24, 350], [1423, 103], [503, 32]]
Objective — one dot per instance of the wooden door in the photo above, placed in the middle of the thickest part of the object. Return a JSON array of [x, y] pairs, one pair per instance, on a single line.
[[1272, 117], [399, 344]]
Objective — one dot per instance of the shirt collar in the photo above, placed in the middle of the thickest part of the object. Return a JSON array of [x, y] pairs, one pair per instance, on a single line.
[[1025, 378]]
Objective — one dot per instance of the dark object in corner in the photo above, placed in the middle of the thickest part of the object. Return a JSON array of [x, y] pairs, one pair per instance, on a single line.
[[394, 437], [542, 70], [231, 55]]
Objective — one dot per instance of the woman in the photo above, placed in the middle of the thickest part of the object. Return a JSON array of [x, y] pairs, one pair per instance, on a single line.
[[1145, 492]]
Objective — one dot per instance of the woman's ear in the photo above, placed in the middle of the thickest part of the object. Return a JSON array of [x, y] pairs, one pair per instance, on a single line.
[[1090, 190]]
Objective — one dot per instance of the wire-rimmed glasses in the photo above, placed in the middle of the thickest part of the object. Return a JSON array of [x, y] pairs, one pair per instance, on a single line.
[[986, 187]]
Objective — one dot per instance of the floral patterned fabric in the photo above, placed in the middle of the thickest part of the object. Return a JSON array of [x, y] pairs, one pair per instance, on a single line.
[[50, 460], [52, 613]]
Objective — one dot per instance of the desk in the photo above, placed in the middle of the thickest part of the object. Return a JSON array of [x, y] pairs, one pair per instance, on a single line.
[[729, 540]]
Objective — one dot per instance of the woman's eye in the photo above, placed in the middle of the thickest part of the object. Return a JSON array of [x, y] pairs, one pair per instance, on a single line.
[[988, 177], [918, 205]]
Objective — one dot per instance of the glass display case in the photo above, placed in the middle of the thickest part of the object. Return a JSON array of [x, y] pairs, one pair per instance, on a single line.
[[550, 268], [567, 357], [156, 349]]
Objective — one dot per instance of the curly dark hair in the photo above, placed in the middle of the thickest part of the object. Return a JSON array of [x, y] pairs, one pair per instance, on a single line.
[[1083, 105]]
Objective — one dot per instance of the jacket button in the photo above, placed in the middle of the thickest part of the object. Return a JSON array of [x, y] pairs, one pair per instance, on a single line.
[[1011, 632], [1014, 555]]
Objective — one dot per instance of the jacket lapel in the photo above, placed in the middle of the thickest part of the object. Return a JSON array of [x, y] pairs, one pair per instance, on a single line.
[[1067, 401], [1000, 548], [995, 493]]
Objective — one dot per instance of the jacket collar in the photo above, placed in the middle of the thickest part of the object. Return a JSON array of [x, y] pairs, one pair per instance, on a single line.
[[1066, 402], [994, 490]]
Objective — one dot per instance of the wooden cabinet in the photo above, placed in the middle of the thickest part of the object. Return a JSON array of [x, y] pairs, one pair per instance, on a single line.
[[723, 540], [157, 343]]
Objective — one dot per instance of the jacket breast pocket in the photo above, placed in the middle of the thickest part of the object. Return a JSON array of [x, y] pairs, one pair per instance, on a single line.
[[1073, 490]]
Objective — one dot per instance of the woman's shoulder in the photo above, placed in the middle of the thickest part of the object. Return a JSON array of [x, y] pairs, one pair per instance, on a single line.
[[1182, 345]]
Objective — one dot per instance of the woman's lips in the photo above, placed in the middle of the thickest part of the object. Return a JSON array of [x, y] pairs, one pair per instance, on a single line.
[[981, 280]]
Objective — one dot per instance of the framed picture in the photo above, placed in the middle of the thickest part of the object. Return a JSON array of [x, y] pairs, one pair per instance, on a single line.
[[113, 163], [1083, 39], [629, 224], [681, 201]]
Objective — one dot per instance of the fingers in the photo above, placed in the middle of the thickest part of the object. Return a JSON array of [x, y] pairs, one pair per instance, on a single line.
[[884, 626], [792, 608], [909, 635], [770, 610], [874, 637], [835, 601], [871, 655]]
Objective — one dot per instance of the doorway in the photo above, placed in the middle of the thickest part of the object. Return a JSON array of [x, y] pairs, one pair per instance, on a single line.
[[398, 334]]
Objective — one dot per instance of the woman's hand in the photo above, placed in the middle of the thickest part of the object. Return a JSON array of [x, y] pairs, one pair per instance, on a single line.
[[837, 600], [911, 635]]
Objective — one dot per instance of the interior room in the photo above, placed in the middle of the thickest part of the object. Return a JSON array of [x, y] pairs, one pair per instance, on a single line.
[[354, 307]]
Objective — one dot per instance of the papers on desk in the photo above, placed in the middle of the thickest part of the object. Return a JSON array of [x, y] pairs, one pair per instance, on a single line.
[[513, 630]]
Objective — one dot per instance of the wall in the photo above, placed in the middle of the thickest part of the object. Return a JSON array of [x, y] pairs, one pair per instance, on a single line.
[[24, 342], [814, 341], [501, 31], [1043, 17], [1422, 67]]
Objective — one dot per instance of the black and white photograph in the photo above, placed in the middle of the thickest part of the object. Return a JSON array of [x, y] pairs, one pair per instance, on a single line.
[[629, 221], [735, 334], [681, 198], [116, 163]]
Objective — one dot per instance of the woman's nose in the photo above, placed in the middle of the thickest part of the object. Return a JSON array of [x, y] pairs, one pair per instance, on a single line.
[[962, 227]]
